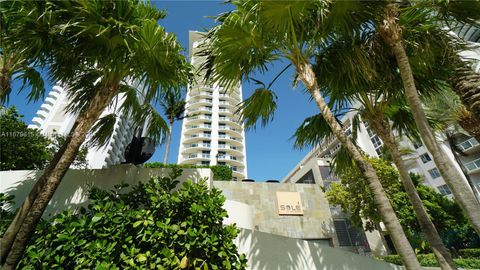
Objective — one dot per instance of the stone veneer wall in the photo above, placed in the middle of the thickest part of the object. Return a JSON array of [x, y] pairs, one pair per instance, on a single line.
[[316, 222]]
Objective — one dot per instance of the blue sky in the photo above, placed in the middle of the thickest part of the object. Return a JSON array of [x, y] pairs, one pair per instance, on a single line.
[[270, 153]]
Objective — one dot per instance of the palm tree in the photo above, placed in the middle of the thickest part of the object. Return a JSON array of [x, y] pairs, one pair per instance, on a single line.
[[257, 33], [390, 31], [466, 83], [15, 64], [450, 116], [109, 45], [378, 102], [173, 106]]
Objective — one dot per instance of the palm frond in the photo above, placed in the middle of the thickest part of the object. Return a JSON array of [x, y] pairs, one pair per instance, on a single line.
[[261, 105], [312, 132], [102, 131], [33, 79]]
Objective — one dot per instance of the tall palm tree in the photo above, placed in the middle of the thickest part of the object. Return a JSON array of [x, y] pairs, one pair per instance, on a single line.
[[378, 102], [173, 106], [109, 44], [259, 32], [15, 64], [450, 116], [390, 30]]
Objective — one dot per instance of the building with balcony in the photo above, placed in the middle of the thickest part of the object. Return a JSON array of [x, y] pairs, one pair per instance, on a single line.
[[212, 134], [52, 118]]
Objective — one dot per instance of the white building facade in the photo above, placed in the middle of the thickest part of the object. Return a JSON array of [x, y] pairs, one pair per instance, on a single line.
[[52, 118], [212, 134]]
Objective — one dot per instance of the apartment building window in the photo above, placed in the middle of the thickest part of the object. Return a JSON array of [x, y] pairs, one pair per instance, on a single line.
[[348, 235], [348, 132], [222, 145], [434, 173], [308, 178], [222, 163], [444, 190], [376, 141], [222, 135], [205, 163], [207, 134], [417, 144], [425, 157], [221, 154]]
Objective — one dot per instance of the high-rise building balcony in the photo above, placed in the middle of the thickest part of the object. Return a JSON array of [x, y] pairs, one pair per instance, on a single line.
[[200, 117], [197, 156], [199, 101], [204, 126], [201, 109], [230, 96]]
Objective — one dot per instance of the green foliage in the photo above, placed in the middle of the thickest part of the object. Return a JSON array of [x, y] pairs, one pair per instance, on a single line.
[[80, 161], [149, 226], [260, 105], [469, 253], [6, 216], [21, 148], [428, 260], [354, 197], [220, 172]]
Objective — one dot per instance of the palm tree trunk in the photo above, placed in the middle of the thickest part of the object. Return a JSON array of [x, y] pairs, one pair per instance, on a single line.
[[12, 230], [78, 135], [462, 192], [444, 258], [5, 78], [306, 74], [167, 147]]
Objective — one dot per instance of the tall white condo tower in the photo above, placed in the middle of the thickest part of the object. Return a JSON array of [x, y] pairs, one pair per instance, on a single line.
[[213, 133]]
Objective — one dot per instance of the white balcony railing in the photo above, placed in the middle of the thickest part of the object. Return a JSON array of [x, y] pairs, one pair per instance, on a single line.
[[199, 126]]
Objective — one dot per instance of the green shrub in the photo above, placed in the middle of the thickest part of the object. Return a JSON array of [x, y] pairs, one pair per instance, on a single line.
[[220, 172], [429, 260], [147, 227], [469, 253], [468, 263], [6, 216]]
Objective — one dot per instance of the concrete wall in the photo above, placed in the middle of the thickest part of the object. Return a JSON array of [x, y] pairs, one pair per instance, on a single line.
[[270, 252], [316, 223], [72, 192]]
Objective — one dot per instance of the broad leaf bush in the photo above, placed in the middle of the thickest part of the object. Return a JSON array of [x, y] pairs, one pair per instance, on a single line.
[[220, 172], [428, 260], [148, 226]]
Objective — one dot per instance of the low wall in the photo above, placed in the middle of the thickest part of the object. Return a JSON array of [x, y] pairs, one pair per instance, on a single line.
[[72, 192], [271, 252], [315, 223]]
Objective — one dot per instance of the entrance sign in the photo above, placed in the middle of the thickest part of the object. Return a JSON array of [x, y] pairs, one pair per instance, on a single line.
[[289, 204]]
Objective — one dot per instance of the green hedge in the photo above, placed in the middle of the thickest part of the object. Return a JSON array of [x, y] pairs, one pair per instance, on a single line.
[[220, 172], [429, 260], [147, 226], [469, 253]]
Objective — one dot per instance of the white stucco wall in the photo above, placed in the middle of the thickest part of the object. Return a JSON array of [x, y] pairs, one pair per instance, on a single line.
[[240, 214], [271, 252], [72, 192]]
